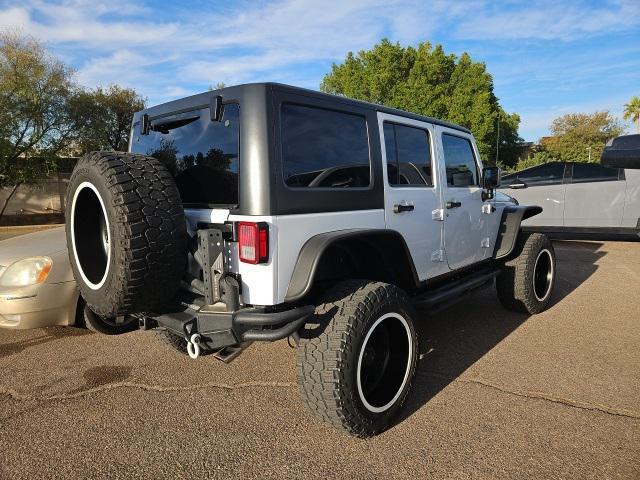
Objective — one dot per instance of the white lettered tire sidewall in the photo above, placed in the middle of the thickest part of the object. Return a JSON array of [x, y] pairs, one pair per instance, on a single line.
[[517, 286], [146, 249], [543, 256], [92, 293], [330, 353], [407, 370], [92, 187]]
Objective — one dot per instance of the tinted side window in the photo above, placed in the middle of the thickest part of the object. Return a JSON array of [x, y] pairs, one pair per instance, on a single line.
[[509, 179], [547, 174], [459, 161], [592, 172], [201, 155], [324, 148], [408, 155]]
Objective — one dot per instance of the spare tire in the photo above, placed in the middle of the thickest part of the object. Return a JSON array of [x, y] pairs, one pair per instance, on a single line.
[[126, 233]]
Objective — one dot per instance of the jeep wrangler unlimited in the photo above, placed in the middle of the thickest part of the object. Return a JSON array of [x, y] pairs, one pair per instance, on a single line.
[[260, 212]]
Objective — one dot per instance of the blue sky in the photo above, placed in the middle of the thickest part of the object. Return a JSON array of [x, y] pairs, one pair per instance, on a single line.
[[547, 57]]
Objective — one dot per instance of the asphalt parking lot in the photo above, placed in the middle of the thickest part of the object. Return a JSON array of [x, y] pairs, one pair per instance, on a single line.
[[497, 395]]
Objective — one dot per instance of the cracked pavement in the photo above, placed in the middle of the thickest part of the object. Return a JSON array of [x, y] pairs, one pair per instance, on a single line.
[[497, 395]]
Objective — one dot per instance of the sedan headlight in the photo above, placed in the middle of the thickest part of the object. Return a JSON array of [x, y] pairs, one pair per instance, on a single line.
[[29, 271]]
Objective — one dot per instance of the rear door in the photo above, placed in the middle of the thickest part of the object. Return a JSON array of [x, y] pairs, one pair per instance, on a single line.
[[465, 228], [542, 185], [595, 196], [412, 196]]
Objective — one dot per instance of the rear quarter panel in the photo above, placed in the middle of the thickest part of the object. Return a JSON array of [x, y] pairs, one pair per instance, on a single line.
[[293, 231], [267, 283]]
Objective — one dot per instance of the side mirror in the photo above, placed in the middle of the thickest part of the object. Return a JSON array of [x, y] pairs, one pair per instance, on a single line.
[[622, 152], [491, 177]]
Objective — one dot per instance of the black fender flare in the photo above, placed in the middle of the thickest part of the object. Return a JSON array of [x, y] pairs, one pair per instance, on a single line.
[[509, 228], [311, 253]]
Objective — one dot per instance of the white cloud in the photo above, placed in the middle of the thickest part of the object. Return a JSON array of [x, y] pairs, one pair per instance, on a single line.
[[13, 17], [176, 91], [82, 23], [170, 50], [241, 42], [321, 27], [240, 69], [124, 65], [549, 20]]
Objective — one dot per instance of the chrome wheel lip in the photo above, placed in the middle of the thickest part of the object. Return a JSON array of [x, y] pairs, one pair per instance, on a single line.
[[89, 283], [363, 399], [549, 276]]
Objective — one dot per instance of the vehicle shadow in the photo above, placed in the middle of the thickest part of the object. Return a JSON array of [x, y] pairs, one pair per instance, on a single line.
[[50, 334], [454, 339]]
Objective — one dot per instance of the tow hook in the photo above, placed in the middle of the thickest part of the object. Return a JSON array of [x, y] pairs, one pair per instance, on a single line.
[[193, 346]]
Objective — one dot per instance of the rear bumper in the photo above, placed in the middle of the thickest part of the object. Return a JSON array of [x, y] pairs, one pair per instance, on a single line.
[[207, 311], [219, 329]]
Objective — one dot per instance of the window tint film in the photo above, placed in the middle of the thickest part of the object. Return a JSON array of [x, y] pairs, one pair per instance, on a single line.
[[324, 148], [547, 174], [592, 172], [459, 161], [201, 155], [408, 155]]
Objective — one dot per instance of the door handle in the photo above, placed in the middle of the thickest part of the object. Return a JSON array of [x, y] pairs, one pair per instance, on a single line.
[[516, 186], [402, 208], [453, 204]]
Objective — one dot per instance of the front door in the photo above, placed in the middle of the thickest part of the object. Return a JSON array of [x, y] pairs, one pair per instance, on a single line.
[[543, 185], [465, 227], [412, 194]]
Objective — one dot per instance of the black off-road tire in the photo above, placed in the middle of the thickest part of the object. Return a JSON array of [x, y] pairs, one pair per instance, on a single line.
[[126, 233], [176, 342], [107, 326], [330, 349], [522, 285]]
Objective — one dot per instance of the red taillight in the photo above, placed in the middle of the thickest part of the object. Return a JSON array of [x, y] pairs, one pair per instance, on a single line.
[[253, 242]]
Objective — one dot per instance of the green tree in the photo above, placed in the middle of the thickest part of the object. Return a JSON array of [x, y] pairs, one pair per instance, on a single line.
[[35, 120], [104, 116], [578, 137], [428, 81], [531, 161], [632, 111], [167, 153]]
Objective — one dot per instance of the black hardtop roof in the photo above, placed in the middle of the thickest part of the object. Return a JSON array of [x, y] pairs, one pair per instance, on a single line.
[[202, 99], [361, 103]]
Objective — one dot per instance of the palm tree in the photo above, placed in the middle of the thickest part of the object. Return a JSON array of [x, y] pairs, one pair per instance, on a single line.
[[632, 111]]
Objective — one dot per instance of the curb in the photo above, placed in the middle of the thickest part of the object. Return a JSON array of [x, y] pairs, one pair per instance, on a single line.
[[18, 228]]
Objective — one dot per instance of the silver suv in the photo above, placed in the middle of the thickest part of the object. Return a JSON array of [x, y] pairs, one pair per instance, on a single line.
[[264, 211]]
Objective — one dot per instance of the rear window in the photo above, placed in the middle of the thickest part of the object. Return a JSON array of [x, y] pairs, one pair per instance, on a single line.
[[592, 172], [408, 155], [324, 148], [201, 155], [547, 174]]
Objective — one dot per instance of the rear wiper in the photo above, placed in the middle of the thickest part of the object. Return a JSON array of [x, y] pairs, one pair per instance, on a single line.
[[164, 127]]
